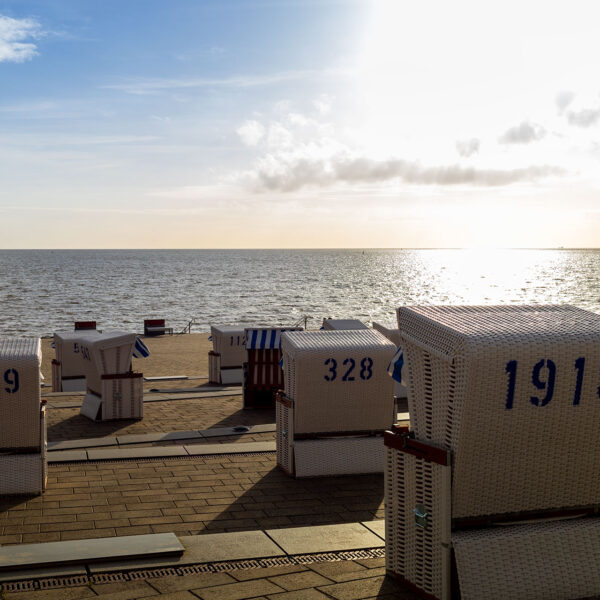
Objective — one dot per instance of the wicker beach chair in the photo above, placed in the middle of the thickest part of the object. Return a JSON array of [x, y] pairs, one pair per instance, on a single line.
[[67, 371], [113, 390], [23, 464], [342, 324], [262, 372], [504, 428], [338, 401], [228, 355]]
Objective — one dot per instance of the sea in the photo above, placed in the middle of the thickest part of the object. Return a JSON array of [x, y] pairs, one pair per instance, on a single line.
[[42, 291]]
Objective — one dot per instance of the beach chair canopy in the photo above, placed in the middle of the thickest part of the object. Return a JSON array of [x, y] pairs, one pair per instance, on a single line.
[[266, 338]]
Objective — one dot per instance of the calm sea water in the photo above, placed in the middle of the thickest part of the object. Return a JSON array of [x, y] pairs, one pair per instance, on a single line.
[[42, 291]]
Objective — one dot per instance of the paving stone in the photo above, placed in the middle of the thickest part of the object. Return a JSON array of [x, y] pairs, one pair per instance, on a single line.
[[187, 582], [67, 456], [137, 589], [227, 431], [325, 538], [360, 588], [158, 437], [128, 453], [240, 590], [57, 553], [229, 546], [81, 443], [59, 571], [299, 581], [264, 572], [73, 593], [339, 571], [377, 527], [310, 594], [207, 449]]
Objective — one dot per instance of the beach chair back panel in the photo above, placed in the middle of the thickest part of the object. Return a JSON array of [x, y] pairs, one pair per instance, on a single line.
[[20, 362], [108, 353], [556, 559], [338, 380], [513, 392], [417, 520], [230, 343], [66, 348]]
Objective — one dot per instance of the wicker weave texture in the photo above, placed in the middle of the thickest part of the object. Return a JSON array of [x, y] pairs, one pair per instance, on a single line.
[[214, 367], [122, 398], [513, 392], [20, 361], [543, 561], [26, 473], [284, 427], [345, 455], [66, 348], [229, 342], [108, 353], [419, 554], [338, 380], [343, 324]]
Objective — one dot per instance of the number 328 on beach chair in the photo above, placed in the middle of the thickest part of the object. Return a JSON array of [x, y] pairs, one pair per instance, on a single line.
[[504, 406]]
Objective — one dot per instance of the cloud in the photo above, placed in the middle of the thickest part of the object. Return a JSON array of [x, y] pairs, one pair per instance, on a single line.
[[563, 99], [291, 173], [14, 34], [251, 132], [523, 133], [467, 148], [323, 104], [583, 118], [153, 86]]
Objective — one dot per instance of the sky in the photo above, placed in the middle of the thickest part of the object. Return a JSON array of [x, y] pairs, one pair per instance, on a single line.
[[299, 123]]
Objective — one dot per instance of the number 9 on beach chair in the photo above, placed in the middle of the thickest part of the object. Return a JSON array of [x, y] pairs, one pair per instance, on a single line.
[[504, 407], [23, 464]]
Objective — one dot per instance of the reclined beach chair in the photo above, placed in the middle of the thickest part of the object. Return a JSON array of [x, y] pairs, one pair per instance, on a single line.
[[23, 462], [504, 407], [337, 403], [67, 368], [113, 390], [262, 372], [85, 325]]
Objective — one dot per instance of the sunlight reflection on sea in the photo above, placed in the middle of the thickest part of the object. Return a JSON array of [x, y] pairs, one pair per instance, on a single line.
[[42, 291]]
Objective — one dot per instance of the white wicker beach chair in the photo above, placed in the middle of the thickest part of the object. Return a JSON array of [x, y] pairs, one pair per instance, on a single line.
[[67, 373], [228, 354], [342, 324], [338, 401], [113, 390], [504, 409], [22, 418]]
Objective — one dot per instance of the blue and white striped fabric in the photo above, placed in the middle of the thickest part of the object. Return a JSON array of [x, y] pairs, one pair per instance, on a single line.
[[395, 366], [140, 350], [262, 339]]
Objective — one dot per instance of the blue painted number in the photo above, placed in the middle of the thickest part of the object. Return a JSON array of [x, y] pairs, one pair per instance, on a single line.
[[11, 378], [332, 369], [347, 376]]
